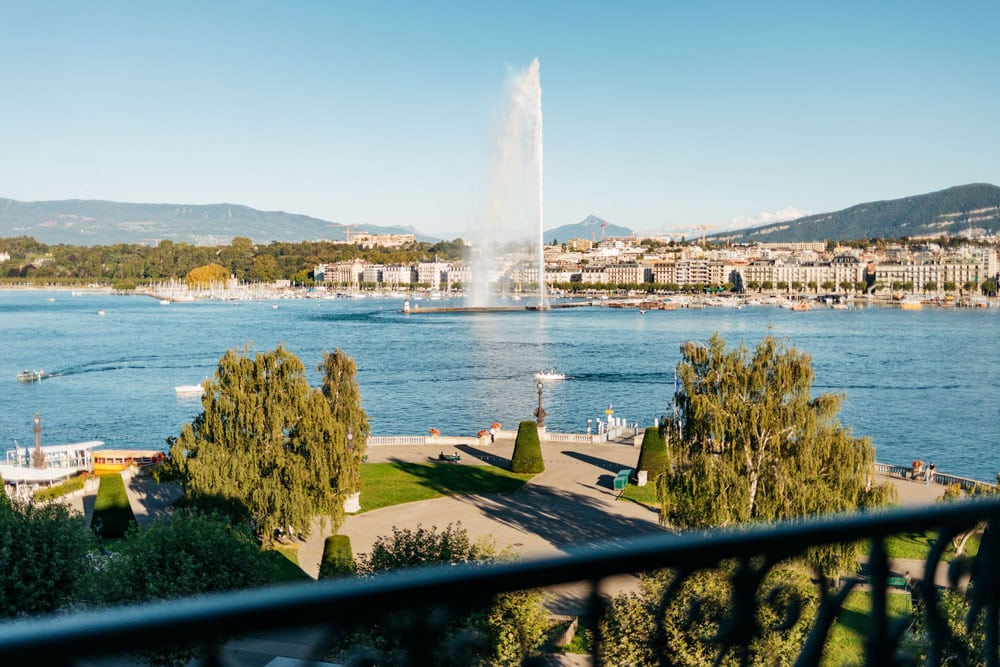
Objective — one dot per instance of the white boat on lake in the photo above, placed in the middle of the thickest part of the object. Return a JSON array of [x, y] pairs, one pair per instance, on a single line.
[[189, 390], [549, 376]]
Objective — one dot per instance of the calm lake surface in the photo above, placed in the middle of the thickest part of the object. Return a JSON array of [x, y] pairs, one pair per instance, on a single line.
[[922, 384]]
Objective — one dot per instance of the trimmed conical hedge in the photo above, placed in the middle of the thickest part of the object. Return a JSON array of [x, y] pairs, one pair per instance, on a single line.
[[653, 455], [527, 456], [112, 509], [338, 559]]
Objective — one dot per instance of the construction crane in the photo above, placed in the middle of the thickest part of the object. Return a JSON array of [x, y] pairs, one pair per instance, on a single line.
[[702, 229]]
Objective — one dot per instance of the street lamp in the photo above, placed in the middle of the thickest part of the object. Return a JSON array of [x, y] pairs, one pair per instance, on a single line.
[[38, 456], [540, 411]]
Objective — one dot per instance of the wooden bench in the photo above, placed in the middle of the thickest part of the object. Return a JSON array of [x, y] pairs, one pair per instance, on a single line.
[[621, 479], [450, 458]]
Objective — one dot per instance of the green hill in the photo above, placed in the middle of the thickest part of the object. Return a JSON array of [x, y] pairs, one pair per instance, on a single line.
[[964, 209], [95, 222]]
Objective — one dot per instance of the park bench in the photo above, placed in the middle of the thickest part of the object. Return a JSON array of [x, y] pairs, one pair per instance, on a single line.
[[451, 458], [621, 479]]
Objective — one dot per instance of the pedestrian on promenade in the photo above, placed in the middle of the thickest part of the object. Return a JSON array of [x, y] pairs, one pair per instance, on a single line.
[[930, 473], [493, 434]]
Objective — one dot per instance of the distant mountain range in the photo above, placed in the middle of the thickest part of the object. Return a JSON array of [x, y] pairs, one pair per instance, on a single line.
[[591, 227], [964, 209], [94, 222]]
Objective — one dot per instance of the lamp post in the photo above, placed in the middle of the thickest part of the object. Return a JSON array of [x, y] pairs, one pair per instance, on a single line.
[[540, 411], [38, 456]]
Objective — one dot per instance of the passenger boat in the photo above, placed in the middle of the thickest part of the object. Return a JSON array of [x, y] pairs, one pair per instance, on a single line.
[[30, 376], [911, 304], [549, 376], [801, 306], [115, 460]]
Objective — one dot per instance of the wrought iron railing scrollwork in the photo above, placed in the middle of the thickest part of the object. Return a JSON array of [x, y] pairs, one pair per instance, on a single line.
[[417, 617]]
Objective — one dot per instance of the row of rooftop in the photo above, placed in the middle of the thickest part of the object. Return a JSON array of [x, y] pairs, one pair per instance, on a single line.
[[629, 261]]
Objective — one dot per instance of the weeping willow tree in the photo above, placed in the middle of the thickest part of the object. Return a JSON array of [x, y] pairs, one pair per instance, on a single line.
[[748, 442], [270, 447], [341, 391]]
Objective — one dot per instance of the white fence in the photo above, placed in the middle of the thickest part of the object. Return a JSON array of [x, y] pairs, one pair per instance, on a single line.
[[939, 477]]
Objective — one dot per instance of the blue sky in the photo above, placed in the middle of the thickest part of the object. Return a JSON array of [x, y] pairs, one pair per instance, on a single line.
[[657, 114]]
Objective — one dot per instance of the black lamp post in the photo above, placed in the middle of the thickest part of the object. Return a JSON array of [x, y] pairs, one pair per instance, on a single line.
[[540, 411]]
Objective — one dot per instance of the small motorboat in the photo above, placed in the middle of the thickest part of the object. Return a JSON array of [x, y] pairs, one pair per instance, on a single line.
[[30, 376], [549, 376], [189, 390]]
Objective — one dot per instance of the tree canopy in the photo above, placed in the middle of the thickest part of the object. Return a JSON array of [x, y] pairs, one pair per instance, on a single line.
[[269, 446], [749, 443]]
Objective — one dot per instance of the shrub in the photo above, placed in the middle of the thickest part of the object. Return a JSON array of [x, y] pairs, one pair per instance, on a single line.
[[338, 558], [112, 510], [69, 486], [653, 455], [527, 456], [43, 557]]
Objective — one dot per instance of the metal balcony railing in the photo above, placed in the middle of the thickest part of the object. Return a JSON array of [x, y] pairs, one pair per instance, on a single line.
[[419, 604]]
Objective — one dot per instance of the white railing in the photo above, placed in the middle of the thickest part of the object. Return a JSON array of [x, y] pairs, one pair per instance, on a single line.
[[939, 477]]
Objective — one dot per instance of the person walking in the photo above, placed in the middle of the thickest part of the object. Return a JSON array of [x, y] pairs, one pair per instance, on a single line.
[[930, 474]]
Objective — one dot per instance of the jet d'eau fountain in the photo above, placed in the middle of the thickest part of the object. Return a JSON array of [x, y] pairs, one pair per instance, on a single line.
[[509, 250]]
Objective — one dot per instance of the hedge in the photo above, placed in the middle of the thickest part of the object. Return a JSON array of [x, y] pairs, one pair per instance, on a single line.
[[653, 455], [527, 456], [338, 558], [112, 510], [65, 488]]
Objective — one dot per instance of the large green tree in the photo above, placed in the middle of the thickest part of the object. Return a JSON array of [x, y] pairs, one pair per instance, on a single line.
[[750, 443], [267, 444], [508, 631], [643, 627], [342, 393], [43, 556]]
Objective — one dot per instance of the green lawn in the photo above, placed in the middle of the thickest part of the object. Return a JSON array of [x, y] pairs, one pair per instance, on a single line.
[[386, 484], [285, 560], [845, 644], [918, 545], [644, 495]]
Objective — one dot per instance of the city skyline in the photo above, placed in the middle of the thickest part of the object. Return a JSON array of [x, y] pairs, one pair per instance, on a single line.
[[657, 117]]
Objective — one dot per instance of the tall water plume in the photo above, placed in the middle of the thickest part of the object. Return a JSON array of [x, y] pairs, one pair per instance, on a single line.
[[512, 235]]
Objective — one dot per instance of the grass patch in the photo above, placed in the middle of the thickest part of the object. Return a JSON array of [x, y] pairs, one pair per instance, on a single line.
[[917, 544], [644, 495], [387, 484], [845, 644], [284, 560]]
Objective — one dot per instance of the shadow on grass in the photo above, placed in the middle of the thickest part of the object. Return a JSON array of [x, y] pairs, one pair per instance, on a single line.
[[449, 478]]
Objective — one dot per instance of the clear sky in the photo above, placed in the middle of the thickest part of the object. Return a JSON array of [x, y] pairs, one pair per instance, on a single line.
[[657, 114]]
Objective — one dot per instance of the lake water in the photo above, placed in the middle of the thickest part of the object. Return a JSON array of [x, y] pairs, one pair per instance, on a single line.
[[922, 384]]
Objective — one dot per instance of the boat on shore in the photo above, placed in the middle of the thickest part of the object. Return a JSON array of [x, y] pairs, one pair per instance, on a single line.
[[107, 461], [30, 376], [549, 376]]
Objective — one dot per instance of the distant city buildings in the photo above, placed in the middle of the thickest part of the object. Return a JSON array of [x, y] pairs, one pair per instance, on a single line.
[[634, 262]]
